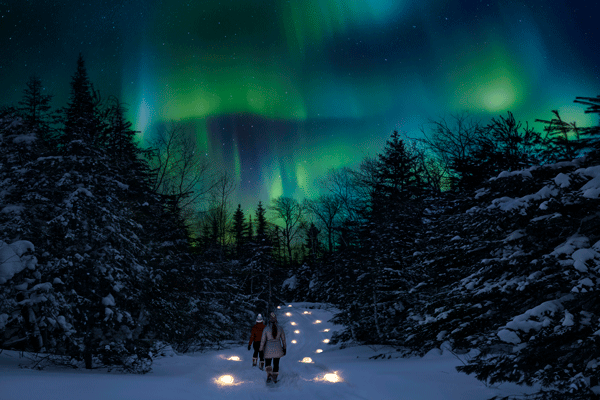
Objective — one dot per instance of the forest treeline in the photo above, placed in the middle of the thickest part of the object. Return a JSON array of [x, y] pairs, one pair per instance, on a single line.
[[475, 235]]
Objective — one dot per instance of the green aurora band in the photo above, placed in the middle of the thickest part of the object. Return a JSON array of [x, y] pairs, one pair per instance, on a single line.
[[280, 92]]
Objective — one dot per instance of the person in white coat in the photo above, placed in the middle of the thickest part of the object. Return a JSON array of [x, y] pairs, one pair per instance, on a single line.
[[273, 345]]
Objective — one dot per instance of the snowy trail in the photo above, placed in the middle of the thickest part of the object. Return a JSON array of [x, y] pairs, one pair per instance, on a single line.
[[299, 377], [198, 376]]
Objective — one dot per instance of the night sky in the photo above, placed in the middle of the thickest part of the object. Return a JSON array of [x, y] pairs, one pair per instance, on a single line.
[[278, 92]]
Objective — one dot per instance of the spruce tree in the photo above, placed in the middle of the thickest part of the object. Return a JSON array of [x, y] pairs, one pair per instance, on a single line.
[[313, 244], [249, 234], [120, 141], [82, 123], [261, 223], [238, 229], [397, 172], [35, 107]]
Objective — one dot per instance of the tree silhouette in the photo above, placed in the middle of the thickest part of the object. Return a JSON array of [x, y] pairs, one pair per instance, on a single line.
[[291, 212], [82, 121], [35, 106], [238, 229]]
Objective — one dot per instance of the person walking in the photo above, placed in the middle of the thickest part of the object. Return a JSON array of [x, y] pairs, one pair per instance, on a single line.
[[255, 338], [273, 345]]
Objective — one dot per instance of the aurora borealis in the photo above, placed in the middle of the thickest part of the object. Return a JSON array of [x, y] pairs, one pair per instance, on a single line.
[[277, 92]]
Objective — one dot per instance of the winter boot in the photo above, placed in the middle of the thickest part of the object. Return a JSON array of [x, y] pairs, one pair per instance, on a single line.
[[275, 374], [269, 373], [254, 362], [261, 366]]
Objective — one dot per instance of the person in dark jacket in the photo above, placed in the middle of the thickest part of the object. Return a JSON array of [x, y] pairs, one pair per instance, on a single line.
[[255, 336], [273, 344]]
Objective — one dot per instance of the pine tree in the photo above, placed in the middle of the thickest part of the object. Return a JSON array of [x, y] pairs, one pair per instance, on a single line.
[[397, 173], [120, 137], [313, 243], [249, 234], [261, 221], [82, 123], [238, 229], [35, 107]]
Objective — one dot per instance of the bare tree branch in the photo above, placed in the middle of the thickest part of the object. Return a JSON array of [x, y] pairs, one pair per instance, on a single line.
[[181, 171], [292, 213]]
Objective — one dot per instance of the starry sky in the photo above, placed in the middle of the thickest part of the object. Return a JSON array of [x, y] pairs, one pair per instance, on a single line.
[[277, 92]]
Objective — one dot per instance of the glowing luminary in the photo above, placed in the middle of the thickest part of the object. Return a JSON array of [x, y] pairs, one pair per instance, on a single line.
[[289, 305], [279, 307], [225, 380], [306, 312], [332, 377], [288, 314], [296, 331], [319, 351], [234, 358], [293, 323], [294, 341], [326, 330], [325, 340], [306, 360], [318, 321]]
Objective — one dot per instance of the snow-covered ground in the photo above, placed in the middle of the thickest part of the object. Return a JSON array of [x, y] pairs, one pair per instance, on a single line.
[[312, 369]]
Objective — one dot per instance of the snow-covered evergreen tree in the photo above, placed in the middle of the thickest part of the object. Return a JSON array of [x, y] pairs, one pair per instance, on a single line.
[[96, 265]]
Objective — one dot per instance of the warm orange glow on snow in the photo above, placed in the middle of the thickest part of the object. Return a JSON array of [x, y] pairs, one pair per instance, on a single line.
[[225, 380], [332, 377], [306, 360], [234, 358]]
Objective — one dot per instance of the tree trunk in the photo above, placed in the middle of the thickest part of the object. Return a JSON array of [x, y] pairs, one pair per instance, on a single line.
[[38, 343], [375, 315], [251, 278], [87, 357]]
